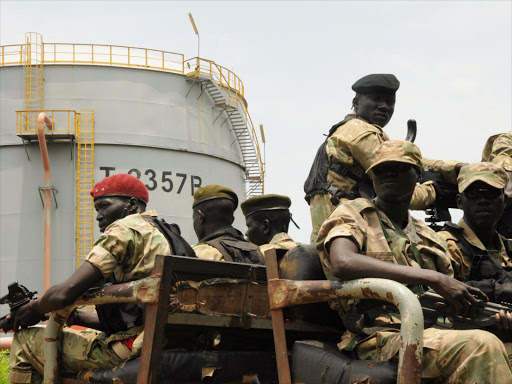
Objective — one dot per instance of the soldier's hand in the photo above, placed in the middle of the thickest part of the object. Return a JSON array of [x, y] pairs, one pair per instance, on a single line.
[[504, 326], [26, 316], [463, 298]]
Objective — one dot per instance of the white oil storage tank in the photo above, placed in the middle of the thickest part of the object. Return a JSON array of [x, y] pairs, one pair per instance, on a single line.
[[176, 124]]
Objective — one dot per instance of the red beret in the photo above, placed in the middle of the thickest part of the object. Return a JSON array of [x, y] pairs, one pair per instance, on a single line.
[[120, 185]]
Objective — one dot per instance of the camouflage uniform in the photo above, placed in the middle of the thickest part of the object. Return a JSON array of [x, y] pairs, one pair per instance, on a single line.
[[352, 145], [207, 252], [498, 150], [126, 250], [279, 241], [449, 356], [462, 263]]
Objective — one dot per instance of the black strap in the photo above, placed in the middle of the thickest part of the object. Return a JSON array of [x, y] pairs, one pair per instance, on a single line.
[[171, 232], [340, 169]]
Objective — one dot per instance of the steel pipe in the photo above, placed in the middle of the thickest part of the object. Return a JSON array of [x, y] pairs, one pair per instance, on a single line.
[[42, 120]]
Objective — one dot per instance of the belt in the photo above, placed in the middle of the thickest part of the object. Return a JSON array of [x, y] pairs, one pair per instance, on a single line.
[[120, 350]]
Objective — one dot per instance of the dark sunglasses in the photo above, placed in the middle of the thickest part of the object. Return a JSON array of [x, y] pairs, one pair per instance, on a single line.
[[487, 193], [394, 166]]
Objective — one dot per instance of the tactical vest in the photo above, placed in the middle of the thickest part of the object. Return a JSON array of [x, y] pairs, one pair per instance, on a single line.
[[485, 273], [233, 247], [119, 317], [316, 183]]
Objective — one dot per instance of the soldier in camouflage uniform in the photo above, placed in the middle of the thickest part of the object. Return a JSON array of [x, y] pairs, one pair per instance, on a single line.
[[482, 198], [213, 209], [498, 149], [125, 251], [267, 218], [379, 238], [339, 170]]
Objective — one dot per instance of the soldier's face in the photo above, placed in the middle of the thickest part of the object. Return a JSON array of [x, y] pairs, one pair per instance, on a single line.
[[255, 231], [482, 204], [394, 181], [110, 209], [375, 108]]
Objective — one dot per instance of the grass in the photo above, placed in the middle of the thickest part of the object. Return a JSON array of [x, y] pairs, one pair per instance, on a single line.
[[4, 366]]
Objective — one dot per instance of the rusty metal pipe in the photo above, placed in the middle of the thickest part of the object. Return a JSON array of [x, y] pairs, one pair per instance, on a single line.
[[42, 120], [5, 343], [286, 293], [52, 344]]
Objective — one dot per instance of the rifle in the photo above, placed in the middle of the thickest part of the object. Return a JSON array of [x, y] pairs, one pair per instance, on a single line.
[[435, 307], [445, 199], [18, 295], [445, 192]]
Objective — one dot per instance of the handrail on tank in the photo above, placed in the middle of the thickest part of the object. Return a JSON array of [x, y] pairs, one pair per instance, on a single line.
[[43, 120]]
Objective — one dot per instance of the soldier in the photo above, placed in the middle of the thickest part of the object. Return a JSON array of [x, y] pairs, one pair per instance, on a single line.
[[124, 252], [475, 238], [379, 238], [267, 218], [213, 207], [338, 171], [498, 149]]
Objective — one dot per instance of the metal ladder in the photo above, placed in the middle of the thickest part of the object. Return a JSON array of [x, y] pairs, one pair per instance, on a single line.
[[33, 63], [237, 113], [84, 184]]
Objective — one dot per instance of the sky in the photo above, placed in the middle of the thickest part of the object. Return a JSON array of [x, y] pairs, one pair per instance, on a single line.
[[298, 61]]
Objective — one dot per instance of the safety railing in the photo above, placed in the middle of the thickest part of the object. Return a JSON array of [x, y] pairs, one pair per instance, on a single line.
[[12, 54], [116, 55], [64, 122], [224, 77]]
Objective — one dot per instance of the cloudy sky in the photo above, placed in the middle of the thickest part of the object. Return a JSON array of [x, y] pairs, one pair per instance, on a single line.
[[298, 61]]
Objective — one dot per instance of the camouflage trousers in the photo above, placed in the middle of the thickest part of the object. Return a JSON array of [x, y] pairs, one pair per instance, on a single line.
[[86, 349], [450, 356]]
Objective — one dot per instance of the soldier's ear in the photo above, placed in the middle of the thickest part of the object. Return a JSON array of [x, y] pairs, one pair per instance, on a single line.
[[355, 103], [133, 205], [267, 227], [201, 216], [458, 200]]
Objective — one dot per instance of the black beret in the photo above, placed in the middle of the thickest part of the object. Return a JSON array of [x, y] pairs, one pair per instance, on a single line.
[[380, 82]]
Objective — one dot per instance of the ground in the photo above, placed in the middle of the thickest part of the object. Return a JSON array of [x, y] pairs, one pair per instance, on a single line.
[[4, 365]]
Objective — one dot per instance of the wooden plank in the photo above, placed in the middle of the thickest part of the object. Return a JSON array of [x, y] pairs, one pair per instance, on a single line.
[[283, 365], [154, 325]]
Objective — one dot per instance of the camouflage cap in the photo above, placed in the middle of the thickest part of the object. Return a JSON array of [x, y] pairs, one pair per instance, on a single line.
[[396, 150], [265, 203], [378, 82], [489, 173], [214, 191]]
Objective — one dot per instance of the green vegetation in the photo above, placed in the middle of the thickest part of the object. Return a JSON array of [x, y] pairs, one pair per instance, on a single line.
[[4, 366]]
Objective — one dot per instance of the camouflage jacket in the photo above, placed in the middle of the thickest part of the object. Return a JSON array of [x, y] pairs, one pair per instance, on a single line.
[[461, 262]]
